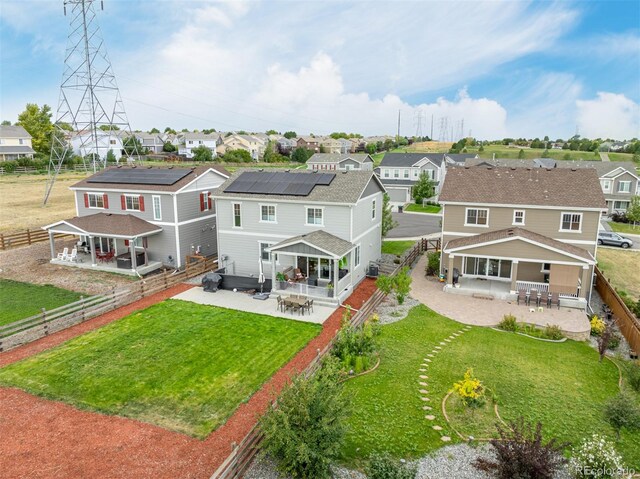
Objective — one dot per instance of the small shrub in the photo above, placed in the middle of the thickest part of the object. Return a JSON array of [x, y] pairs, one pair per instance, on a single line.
[[597, 325], [633, 375], [383, 466], [621, 412], [508, 323], [385, 283], [552, 332], [354, 346], [603, 341], [470, 390], [433, 263], [595, 458], [402, 284], [9, 166], [522, 453], [614, 341]]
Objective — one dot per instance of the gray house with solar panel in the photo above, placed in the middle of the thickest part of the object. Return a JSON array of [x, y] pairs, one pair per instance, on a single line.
[[308, 233], [136, 220]]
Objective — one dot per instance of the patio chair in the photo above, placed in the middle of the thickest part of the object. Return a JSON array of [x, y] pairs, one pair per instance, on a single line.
[[522, 296], [544, 298], [287, 305], [296, 307], [555, 299], [534, 296], [298, 276], [280, 305], [73, 257], [310, 305], [64, 254]]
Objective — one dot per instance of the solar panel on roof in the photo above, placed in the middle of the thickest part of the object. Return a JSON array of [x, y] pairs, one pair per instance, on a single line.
[[279, 183], [157, 176]]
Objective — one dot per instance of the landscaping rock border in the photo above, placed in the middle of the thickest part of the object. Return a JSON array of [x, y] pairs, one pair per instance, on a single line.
[[532, 337], [389, 311]]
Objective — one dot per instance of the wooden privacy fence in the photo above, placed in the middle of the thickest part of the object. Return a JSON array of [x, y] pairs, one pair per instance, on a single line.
[[27, 237], [47, 322], [33, 169], [243, 454], [629, 325]]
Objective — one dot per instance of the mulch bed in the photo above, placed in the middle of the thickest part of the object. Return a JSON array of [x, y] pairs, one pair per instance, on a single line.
[[43, 438]]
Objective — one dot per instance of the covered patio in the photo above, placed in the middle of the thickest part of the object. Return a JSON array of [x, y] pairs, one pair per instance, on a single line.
[[317, 265], [106, 242]]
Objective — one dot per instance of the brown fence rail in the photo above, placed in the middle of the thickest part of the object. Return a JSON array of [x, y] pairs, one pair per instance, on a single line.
[[27, 237], [32, 169], [35, 327], [626, 321]]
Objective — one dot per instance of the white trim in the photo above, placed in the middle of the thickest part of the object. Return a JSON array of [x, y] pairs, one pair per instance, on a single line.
[[205, 203], [75, 199], [466, 216], [177, 230], [89, 194], [357, 248], [153, 206], [572, 241], [200, 176], [523, 260], [88, 189], [298, 241], [374, 210], [625, 182], [306, 216], [238, 231], [376, 226], [524, 215], [454, 233], [233, 214], [186, 222], [561, 230], [513, 205], [275, 213], [351, 224], [624, 170], [126, 207], [269, 245], [104, 235]]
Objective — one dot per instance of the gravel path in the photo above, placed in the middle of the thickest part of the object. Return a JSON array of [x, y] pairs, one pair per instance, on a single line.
[[389, 311]]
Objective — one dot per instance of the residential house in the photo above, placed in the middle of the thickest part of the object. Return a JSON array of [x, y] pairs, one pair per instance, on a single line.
[[619, 180], [15, 143], [310, 143], [508, 229], [83, 143], [459, 159], [152, 142], [338, 161], [330, 145], [191, 140], [134, 220], [286, 145], [255, 146], [347, 146], [399, 172], [308, 232]]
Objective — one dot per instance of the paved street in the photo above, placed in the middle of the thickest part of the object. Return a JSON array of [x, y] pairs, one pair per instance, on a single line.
[[414, 226]]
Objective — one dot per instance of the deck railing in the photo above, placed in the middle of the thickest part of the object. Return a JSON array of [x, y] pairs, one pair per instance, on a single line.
[[303, 289], [529, 285]]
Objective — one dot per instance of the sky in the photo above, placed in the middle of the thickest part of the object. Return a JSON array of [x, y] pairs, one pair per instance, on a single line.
[[486, 69]]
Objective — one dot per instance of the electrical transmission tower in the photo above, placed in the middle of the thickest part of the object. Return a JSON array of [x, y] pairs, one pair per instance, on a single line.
[[444, 129], [418, 123], [90, 117]]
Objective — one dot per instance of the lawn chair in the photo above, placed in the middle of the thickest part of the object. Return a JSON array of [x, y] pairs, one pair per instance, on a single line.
[[64, 254], [522, 296], [534, 296], [310, 305], [555, 299], [287, 305], [73, 257], [544, 298]]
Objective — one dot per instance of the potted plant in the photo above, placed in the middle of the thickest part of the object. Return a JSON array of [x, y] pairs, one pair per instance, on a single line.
[[330, 290], [282, 282]]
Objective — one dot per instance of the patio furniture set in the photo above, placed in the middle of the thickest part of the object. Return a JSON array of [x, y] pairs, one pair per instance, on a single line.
[[295, 303], [71, 257], [539, 298]]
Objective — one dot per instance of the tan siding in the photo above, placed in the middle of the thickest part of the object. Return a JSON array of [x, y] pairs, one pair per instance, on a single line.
[[530, 272], [517, 249]]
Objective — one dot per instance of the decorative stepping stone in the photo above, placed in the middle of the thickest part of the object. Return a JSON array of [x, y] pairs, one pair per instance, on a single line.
[[452, 337], [422, 376], [430, 355], [426, 408], [430, 417], [422, 383], [422, 370], [448, 340], [442, 344], [437, 428], [423, 391], [425, 399], [439, 347], [445, 438], [427, 360]]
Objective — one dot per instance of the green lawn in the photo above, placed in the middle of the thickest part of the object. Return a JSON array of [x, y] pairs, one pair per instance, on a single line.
[[625, 228], [21, 300], [396, 247], [179, 365], [423, 209], [560, 384], [622, 269]]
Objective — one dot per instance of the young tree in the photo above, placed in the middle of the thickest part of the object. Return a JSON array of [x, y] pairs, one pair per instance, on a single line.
[[300, 155], [370, 148], [271, 132], [37, 122], [388, 222], [402, 284], [168, 147], [603, 341], [132, 146], [621, 412], [633, 211], [481, 149], [545, 154], [424, 188], [202, 153], [111, 157], [154, 130], [521, 154], [304, 432], [290, 134]]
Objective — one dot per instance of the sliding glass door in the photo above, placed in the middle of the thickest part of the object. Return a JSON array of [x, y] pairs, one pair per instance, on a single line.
[[487, 267]]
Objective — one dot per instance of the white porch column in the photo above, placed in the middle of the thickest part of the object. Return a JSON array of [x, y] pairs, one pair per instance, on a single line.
[[514, 276], [52, 244], [132, 249], [450, 270], [273, 272], [335, 278], [92, 245], [586, 282]]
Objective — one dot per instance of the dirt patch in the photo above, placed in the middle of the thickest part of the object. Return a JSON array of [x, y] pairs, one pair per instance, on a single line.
[[30, 264], [43, 438]]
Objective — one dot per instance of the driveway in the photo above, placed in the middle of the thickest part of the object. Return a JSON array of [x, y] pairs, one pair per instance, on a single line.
[[414, 226]]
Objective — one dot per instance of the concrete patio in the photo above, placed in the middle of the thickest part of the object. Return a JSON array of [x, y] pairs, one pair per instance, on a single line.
[[244, 302], [485, 312]]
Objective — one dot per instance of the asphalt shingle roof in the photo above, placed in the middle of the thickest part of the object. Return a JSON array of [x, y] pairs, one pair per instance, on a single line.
[[337, 157], [576, 188], [13, 131], [113, 224], [21, 149], [319, 239], [410, 159]]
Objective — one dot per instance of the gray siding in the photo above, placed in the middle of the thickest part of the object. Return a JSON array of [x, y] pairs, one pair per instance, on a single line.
[[115, 205], [372, 188], [303, 249], [362, 220], [198, 234], [159, 246], [189, 206]]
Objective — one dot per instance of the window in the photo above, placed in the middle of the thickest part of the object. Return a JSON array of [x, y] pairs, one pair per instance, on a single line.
[[265, 255], [415, 173], [620, 205], [546, 267], [157, 208], [314, 216], [491, 267], [95, 200], [385, 173], [571, 222], [267, 213], [133, 203], [112, 142], [191, 142], [356, 256], [406, 173], [606, 185], [518, 217], [624, 187], [373, 210], [21, 141], [396, 173], [205, 201], [477, 217], [237, 217]]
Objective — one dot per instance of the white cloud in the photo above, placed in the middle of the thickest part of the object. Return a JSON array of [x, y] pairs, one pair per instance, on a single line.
[[609, 115]]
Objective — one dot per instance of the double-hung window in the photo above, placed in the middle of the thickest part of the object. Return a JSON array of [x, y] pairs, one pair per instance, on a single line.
[[356, 257], [267, 213], [477, 217], [314, 216], [606, 185], [518, 217], [237, 216], [373, 210], [624, 187], [396, 173], [385, 173], [406, 173], [571, 222], [265, 255], [157, 208], [96, 200], [133, 203]]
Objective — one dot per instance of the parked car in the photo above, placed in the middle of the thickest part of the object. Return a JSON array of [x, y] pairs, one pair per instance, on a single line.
[[614, 239]]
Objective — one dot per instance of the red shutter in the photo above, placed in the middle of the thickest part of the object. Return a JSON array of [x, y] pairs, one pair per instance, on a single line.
[[86, 200], [209, 200], [105, 201], [141, 200], [126, 243], [123, 202], [201, 202]]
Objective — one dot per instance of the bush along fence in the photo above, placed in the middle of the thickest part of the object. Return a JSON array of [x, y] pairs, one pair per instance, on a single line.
[[629, 325], [243, 453], [24, 238], [47, 322]]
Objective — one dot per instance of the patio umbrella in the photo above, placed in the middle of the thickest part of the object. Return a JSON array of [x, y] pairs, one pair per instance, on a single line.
[[261, 275]]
